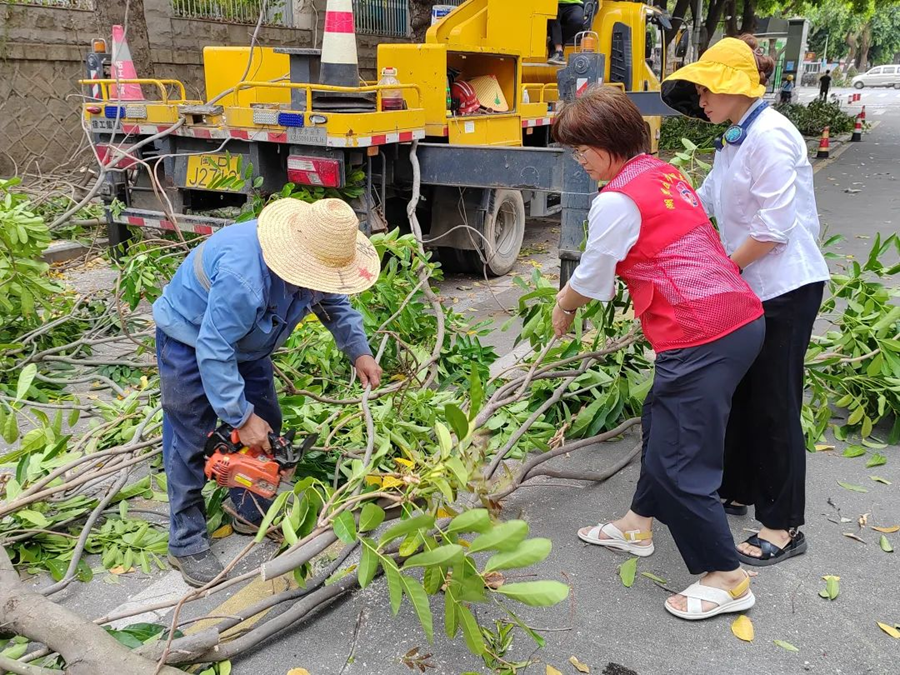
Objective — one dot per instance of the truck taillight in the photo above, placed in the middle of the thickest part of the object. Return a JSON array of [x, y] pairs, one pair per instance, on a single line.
[[105, 155], [314, 171]]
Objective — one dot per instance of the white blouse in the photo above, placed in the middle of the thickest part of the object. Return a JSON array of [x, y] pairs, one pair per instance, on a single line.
[[763, 189]]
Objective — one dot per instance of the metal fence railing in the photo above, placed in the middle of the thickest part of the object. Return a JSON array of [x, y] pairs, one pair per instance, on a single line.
[[277, 12], [59, 4], [382, 17]]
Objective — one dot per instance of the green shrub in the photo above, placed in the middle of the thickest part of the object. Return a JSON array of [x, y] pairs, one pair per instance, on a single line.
[[812, 119], [701, 134]]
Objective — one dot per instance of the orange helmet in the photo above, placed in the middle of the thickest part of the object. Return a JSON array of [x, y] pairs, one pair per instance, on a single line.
[[465, 98]]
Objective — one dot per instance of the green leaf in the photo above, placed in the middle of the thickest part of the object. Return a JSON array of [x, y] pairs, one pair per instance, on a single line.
[[852, 488], [653, 577], [786, 645], [471, 631], [419, 599], [854, 451], [527, 553], [11, 428], [368, 563], [26, 377], [503, 537], [476, 393], [340, 574], [444, 440], [36, 518], [475, 520], [536, 593], [885, 545], [345, 527], [876, 459], [271, 514], [627, 570], [370, 517], [442, 555], [877, 479], [394, 583], [832, 587], [404, 527], [459, 470], [451, 618], [73, 417], [457, 419]]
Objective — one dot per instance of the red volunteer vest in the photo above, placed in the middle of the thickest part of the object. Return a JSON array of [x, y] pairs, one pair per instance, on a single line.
[[685, 289]]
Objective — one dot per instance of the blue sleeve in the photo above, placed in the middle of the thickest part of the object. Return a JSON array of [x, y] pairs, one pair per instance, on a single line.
[[230, 315], [345, 324]]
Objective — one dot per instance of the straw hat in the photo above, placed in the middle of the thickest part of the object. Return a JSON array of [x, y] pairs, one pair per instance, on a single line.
[[489, 93], [728, 67], [317, 246]]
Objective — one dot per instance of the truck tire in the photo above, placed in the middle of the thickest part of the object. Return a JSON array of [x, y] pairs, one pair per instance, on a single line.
[[504, 230]]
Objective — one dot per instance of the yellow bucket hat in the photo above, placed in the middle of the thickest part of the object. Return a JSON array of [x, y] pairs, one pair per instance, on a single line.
[[728, 67]]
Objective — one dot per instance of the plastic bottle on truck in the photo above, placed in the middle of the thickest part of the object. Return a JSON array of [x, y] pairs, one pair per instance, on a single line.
[[391, 99]]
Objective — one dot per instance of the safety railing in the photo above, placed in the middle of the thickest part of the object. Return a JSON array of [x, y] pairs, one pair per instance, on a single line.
[[162, 85], [382, 17], [309, 89], [542, 92], [277, 12]]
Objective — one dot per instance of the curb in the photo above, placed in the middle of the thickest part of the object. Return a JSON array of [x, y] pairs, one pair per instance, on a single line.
[[64, 251]]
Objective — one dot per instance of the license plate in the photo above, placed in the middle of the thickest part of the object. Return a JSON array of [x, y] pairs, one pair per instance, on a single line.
[[213, 172]]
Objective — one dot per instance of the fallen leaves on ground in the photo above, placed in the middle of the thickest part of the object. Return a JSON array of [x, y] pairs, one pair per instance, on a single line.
[[886, 530], [222, 532], [552, 671], [832, 587], [890, 630], [742, 627], [850, 535], [852, 488], [653, 577], [879, 479], [824, 448], [627, 571], [298, 671], [886, 545], [786, 646], [579, 666], [863, 520]]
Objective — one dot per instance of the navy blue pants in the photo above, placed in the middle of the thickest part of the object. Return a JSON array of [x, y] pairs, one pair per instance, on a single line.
[[684, 420], [188, 418]]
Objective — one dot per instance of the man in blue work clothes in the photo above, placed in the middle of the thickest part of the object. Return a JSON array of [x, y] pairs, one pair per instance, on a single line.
[[234, 300]]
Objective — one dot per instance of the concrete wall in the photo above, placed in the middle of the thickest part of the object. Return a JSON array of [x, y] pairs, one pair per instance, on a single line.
[[42, 51]]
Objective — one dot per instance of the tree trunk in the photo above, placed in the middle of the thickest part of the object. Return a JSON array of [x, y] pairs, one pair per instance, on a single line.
[[86, 648], [852, 41], [731, 26], [713, 12], [865, 41], [113, 13], [748, 17], [680, 11]]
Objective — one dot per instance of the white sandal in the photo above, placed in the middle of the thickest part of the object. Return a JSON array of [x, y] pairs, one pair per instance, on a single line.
[[738, 599], [626, 542]]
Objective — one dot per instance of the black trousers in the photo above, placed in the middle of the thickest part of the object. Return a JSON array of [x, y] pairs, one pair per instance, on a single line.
[[684, 420], [765, 450], [567, 24]]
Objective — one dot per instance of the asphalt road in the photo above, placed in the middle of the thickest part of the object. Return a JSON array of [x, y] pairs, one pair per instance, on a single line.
[[605, 623]]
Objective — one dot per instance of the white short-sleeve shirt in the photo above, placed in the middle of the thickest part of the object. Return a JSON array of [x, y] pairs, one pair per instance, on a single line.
[[763, 188]]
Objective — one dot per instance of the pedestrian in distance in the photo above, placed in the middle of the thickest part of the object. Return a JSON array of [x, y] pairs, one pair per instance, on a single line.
[[760, 191], [568, 23], [703, 321], [234, 300], [824, 85], [787, 89]]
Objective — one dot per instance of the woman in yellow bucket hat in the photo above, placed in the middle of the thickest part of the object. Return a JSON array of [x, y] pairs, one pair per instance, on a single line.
[[760, 191]]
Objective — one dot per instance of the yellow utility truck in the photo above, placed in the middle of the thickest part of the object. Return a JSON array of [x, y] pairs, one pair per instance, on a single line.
[[274, 116]]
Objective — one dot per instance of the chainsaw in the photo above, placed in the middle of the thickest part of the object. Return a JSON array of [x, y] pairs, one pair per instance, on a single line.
[[234, 465]]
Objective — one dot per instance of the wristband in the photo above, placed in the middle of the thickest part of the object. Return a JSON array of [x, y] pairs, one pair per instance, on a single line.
[[567, 312]]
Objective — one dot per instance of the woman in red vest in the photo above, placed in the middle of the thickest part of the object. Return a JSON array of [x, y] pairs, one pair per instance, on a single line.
[[705, 324], [760, 191]]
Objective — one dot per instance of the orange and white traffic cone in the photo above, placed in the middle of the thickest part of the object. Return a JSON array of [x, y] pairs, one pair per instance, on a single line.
[[862, 115], [340, 63], [122, 67], [823, 144], [857, 131]]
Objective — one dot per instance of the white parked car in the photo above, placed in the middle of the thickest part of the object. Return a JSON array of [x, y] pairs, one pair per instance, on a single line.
[[879, 76]]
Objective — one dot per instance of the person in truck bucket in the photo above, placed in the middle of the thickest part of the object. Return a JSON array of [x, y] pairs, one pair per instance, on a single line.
[[705, 324], [234, 300]]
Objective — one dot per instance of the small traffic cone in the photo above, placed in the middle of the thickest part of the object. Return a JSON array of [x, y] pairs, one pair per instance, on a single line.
[[857, 131], [857, 97], [340, 62], [862, 115], [122, 67], [823, 144]]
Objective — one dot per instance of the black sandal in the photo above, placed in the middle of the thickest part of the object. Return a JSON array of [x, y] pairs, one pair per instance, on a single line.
[[771, 554], [733, 509]]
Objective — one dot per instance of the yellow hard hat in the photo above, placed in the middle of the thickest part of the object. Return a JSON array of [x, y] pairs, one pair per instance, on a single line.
[[790, 78], [728, 67]]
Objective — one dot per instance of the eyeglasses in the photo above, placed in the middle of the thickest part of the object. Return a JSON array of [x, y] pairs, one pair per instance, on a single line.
[[579, 155]]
